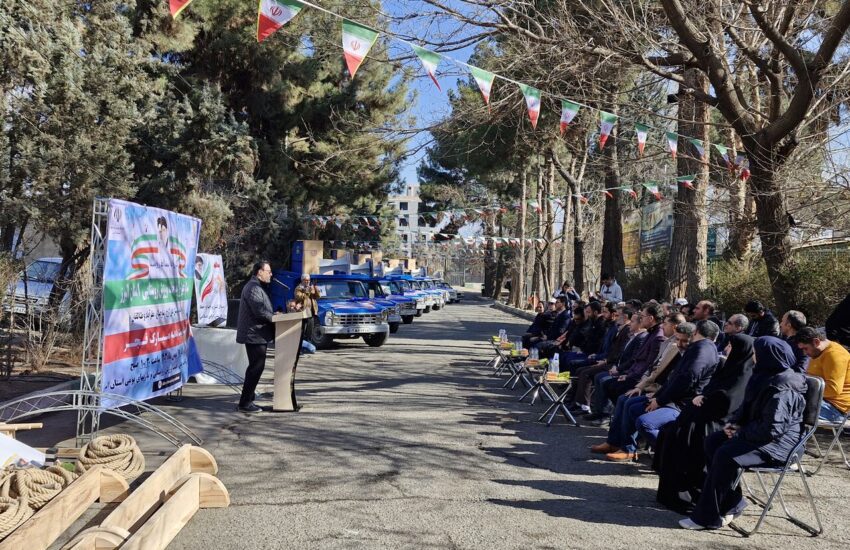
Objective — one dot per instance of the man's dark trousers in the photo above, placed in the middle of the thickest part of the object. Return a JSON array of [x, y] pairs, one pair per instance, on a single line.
[[256, 364]]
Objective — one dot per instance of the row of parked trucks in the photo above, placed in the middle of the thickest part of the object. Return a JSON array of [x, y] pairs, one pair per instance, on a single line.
[[364, 304]]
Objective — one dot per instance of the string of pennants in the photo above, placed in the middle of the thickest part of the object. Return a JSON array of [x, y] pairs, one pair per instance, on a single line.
[[358, 39]]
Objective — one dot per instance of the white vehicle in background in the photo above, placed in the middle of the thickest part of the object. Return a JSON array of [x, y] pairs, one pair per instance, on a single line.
[[453, 296], [30, 295]]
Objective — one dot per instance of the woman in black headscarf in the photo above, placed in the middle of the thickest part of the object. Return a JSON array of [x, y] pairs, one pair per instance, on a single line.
[[680, 454], [765, 430]]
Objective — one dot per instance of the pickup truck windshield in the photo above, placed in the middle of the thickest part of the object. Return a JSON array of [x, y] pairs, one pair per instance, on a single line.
[[341, 290], [377, 289], [401, 285], [43, 272]]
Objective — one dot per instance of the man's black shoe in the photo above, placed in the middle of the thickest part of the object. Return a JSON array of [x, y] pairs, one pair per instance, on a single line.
[[596, 416], [251, 409]]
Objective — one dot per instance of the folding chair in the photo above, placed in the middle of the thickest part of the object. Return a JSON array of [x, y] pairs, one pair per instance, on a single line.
[[814, 398], [837, 429]]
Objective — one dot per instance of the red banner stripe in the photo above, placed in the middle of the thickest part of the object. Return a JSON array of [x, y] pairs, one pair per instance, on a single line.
[[144, 340]]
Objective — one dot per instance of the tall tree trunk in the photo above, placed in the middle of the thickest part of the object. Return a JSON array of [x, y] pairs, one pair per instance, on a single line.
[[687, 267], [518, 286], [612, 233], [578, 243], [742, 222], [550, 225]]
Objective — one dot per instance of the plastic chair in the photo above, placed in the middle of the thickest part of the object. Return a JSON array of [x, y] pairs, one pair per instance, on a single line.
[[814, 398], [837, 429]]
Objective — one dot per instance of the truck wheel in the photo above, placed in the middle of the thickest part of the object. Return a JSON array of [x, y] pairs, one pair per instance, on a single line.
[[319, 339], [407, 319], [436, 307], [393, 328], [376, 340], [427, 309], [419, 312]]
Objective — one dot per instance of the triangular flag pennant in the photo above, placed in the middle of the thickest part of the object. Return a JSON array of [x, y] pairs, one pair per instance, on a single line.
[[699, 146], [569, 110], [581, 198], [484, 79], [724, 152], [630, 191], [357, 40], [273, 14], [177, 6], [429, 60], [687, 181], [606, 124], [536, 206], [532, 100], [653, 188], [672, 143], [641, 130], [608, 194]]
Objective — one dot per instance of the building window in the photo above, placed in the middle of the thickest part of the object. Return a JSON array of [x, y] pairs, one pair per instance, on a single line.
[[402, 206], [404, 237], [402, 221]]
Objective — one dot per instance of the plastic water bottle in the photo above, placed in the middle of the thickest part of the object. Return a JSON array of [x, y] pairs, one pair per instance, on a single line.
[[503, 335], [533, 355], [555, 364], [518, 346]]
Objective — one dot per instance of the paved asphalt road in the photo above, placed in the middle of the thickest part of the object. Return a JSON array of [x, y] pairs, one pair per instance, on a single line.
[[415, 445]]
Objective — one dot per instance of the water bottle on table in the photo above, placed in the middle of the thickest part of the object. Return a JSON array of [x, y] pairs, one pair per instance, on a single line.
[[555, 364]]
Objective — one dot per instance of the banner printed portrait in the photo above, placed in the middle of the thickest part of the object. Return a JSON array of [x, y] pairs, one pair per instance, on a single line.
[[147, 297], [210, 289]]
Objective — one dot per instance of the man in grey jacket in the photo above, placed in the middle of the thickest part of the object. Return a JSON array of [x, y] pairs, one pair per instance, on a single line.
[[255, 329]]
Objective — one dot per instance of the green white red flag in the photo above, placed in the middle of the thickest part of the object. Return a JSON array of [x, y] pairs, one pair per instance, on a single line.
[[687, 181], [606, 124], [536, 206], [608, 194], [641, 130], [699, 146], [357, 40], [273, 14], [177, 6], [724, 153], [629, 190], [532, 100], [581, 198], [653, 188], [429, 60], [484, 79], [569, 110], [672, 143]]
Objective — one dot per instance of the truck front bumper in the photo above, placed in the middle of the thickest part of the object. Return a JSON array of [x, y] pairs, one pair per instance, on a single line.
[[355, 330]]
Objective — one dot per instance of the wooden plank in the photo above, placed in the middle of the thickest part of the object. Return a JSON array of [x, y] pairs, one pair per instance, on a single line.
[[44, 527], [166, 522], [202, 461], [142, 502], [213, 493], [10, 429]]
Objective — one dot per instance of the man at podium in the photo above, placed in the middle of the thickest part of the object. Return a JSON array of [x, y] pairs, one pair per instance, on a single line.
[[255, 329]]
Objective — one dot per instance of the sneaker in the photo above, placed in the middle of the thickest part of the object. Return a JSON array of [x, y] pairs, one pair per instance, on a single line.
[[685, 496], [621, 456], [603, 422], [688, 523], [594, 416], [250, 409], [729, 518]]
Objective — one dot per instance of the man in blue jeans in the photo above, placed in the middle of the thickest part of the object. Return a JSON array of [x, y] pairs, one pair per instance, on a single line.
[[685, 382], [622, 436]]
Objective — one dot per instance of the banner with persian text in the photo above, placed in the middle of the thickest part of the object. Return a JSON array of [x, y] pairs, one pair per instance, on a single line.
[[147, 297], [210, 289]]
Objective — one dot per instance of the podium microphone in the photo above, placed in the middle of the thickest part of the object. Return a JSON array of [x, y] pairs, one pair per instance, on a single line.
[[280, 283]]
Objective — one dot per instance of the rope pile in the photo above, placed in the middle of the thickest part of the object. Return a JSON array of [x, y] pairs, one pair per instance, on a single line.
[[119, 453], [37, 486], [13, 512]]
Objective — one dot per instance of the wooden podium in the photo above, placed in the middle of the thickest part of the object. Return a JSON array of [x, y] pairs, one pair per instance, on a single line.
[[287, 341]]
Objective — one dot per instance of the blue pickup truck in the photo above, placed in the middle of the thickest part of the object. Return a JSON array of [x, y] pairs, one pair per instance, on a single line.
[[345, 310], [384, 290]]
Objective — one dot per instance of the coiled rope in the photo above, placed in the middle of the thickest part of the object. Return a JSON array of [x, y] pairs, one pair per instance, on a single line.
[[118, 452], [13, 512]]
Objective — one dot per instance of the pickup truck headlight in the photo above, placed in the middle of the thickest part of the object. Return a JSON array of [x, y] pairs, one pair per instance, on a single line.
[[384, 315], [330, 318]]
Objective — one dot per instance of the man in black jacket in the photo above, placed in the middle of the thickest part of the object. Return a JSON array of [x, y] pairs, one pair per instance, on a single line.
[[557, 332], [762, 321], [254, 329]]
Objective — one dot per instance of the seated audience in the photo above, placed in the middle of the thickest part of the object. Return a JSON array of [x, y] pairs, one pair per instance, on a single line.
[[735, 324], [680, 448], [704, 311], [621, 352], [539, 325], [765, 430], [792, 323], [549, 348], [606, 328], [762, 321], [688, 311], [559, 326], [621, 443], [831, 362]]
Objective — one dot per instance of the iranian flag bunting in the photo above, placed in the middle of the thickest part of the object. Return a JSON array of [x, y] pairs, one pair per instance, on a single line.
[[532, 100], [536, 206], [273, 14], [177, 6], [569, 110], [608, 194], [687, 181], [724, 152], [699, 146], [641, 130], [672, 143], [484, 79], [606, 124], [429, 60], [581, 198], [652, 187], [357, 40], [630, 191]]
